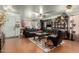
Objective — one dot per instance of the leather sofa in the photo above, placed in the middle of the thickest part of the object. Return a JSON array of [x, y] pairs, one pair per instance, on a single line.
[[27, 32]]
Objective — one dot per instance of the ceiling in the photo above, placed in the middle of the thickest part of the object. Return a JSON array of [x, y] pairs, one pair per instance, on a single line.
[[50, 10]]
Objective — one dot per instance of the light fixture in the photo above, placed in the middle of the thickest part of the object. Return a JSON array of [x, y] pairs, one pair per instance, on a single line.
[[68, 8]]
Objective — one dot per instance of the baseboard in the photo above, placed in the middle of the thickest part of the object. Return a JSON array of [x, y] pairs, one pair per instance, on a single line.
[[11, 37]]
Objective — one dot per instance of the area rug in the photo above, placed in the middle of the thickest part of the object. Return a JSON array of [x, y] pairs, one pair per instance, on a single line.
[[41, 44]]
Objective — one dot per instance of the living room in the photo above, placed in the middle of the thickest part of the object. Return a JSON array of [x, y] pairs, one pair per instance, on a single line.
[[39, 28]]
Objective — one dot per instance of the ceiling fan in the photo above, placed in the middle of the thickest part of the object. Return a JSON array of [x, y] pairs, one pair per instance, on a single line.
[[41, 14], [70, 11]]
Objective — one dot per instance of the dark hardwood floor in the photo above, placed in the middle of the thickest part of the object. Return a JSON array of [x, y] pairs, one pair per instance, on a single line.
[[23, 45]]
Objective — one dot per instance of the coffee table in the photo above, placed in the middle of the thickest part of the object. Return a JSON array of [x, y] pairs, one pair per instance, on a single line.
[[41, 35]]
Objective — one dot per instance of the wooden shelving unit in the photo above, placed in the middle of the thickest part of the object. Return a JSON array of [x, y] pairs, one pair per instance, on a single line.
[[60, 23]]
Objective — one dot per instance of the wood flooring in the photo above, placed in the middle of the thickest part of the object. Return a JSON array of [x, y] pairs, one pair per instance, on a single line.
[[23, 45]]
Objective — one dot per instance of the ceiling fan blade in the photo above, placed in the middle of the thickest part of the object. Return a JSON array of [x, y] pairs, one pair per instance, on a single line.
[[48, 12], [75, 13]]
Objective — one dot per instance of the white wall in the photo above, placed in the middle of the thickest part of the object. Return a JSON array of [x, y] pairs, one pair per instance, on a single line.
[[9, 27], [76, 28], [31, 24]]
